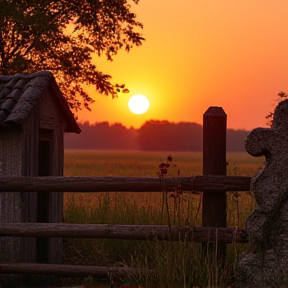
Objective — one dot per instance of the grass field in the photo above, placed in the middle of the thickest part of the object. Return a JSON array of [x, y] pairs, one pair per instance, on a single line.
[[145, 164], [174, 263]]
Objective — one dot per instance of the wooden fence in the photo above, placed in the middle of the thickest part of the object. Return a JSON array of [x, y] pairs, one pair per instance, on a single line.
[[211, 184], [214, 206]]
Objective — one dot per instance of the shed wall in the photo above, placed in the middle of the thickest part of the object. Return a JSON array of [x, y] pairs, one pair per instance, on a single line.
[[11, 140]]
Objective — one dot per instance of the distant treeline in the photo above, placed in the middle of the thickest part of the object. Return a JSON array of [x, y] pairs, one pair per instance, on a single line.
[[153, 135]]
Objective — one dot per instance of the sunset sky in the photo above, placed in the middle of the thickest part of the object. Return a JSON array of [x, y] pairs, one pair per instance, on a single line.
[[201, 53]]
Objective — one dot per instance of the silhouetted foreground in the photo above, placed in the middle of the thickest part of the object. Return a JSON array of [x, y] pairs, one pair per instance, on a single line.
[[153, 135]]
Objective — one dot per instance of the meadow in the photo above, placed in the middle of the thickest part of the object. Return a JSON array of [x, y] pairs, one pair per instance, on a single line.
[[172, 263]]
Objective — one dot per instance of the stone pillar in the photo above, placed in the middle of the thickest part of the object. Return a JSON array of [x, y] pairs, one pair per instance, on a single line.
[[266, 265]]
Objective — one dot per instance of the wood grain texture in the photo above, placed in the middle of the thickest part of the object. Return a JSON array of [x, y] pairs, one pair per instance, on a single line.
[[131, 232], [123, 184]]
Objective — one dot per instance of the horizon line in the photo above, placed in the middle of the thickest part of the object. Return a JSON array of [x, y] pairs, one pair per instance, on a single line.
[[132, 127]]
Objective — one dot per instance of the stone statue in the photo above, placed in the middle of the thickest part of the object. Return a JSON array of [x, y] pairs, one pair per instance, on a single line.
[[266, 265]]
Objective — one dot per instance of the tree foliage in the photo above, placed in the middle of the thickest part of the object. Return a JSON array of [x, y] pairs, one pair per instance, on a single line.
[[34, 37]]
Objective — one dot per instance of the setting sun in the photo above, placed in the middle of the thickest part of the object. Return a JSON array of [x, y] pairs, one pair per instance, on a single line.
[[187, 65], [138, 104]]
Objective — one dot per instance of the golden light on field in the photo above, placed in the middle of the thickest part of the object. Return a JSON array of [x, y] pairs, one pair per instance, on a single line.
[[138, 104]]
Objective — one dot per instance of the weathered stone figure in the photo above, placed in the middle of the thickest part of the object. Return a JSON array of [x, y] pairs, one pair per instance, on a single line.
[[267, 263]]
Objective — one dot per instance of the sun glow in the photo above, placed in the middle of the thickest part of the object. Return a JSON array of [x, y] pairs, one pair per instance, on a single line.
[[138, 104]]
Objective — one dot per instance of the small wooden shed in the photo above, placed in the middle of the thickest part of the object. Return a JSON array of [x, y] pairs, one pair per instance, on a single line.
[[33, 118]]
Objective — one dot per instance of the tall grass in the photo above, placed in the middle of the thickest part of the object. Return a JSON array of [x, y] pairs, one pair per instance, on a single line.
[[172, 263]]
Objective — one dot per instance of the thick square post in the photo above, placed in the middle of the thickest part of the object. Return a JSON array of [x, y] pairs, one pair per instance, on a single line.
[[214, 163]]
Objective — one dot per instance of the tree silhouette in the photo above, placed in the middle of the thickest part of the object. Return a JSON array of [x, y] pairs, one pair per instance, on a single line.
[[168, 136], [102, 136], [34, 36], [153, 135]]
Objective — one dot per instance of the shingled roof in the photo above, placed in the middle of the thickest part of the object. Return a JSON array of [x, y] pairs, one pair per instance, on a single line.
[[19, 94]]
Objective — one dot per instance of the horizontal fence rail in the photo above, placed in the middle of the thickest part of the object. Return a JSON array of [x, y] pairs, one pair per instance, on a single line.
[[129, 232], [64, 270], [123, 184]]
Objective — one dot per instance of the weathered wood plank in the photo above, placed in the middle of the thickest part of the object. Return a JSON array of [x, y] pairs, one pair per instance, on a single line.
[[104, 184], [63, 270], [131, 232], [214, 163]]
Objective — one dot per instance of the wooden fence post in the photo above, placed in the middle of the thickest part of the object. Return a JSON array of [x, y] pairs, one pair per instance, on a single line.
[[214, 163]]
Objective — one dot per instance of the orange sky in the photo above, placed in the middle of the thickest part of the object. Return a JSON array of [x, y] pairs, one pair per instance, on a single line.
[[201, 53]]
